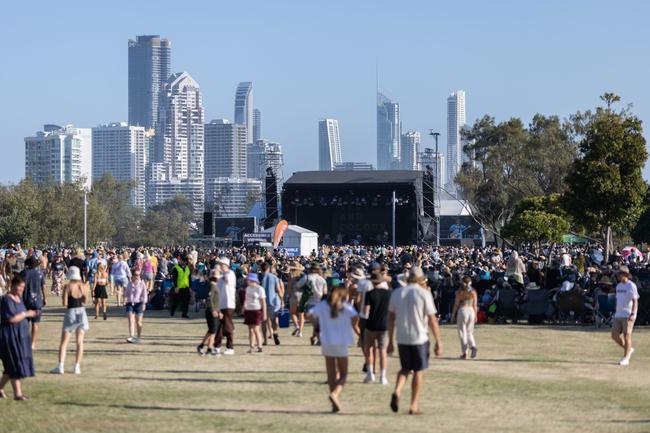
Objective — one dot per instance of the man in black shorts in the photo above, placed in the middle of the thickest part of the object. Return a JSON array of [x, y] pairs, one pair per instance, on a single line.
[[34, 294], [411, 314]]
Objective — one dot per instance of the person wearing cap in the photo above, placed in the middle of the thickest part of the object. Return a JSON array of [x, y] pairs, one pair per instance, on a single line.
[[336, 320], [255, 312], [34, 296], [227, 284], [627, 304], [180, 295], [74, 319], [411, 313], [213, 316]]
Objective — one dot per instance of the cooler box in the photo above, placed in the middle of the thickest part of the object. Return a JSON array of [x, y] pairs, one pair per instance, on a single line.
[[284, 317]]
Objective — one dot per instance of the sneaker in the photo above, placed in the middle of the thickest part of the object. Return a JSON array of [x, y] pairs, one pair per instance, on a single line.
[[299, 334], [258, 350], [474, 352], [228, 352], [383, 380], [77, 369], [130, 340], [369, 378], [137, 340], [295, 332], [57, 370], [199, 350], [276, 339], [251, 350], [624, 361], [215, 353]]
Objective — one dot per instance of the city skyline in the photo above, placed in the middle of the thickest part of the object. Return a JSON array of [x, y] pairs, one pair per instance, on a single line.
[[300, 91]]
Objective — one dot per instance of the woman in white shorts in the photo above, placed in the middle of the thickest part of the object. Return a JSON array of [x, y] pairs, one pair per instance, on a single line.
[[74, 320], [336, 320]]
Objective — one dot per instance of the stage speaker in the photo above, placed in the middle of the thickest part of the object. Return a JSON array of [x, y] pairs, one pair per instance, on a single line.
[[208, 224], [428, 200], [271, 198]]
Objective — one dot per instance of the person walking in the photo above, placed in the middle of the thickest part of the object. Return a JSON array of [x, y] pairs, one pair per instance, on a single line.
[[34, 296], [180, 296], [313, 288], [627, 304], [376, 302], [274, 291], [58, 274], [336, 319], [100, 294], [74, 320], [255, 312], [227, 284], [135, 297], [213, 316], [411, 313], [15, 343], [465, 310], [121, 274]]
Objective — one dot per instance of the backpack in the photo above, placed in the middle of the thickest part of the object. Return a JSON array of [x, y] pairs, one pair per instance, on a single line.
[[307, 293]]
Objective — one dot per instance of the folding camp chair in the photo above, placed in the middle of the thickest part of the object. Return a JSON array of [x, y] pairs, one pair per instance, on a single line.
[[605, 309]]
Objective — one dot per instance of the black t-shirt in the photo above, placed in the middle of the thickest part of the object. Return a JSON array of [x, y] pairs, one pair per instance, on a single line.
[[378, 299]]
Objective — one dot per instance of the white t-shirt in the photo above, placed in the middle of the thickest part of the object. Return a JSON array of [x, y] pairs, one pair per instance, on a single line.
[[363, 286], [412, 305], [255, 296], [625, 294], [335, 330], [319, 286], [227, 285]]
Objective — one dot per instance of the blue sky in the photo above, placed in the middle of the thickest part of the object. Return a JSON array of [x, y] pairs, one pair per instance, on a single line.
[[66, 62]]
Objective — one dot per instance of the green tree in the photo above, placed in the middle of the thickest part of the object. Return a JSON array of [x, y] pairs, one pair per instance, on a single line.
[[606, 190]]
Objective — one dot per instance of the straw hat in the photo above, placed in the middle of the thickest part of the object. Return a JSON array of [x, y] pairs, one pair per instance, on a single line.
[[74, 274], [357, 274], [416, 275]]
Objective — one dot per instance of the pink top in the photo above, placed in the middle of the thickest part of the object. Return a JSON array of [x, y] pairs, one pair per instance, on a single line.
[[135, 293]]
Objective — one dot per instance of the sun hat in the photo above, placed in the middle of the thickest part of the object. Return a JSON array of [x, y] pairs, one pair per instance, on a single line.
[[416, 275], [357, 274], [74, 274], [224, 261], [606, 281], [532, 286], [252, 277]]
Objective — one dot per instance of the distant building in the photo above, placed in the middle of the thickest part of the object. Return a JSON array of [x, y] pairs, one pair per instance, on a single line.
[[353, 166], [409, 150], [230, 197], [59, 154], [149, 69], [225, 149], [244, 108], [257, 125], [456, 120], [179, 143], [262, 155], [389, 131], [122, 150], [433, 160], [329, 144]]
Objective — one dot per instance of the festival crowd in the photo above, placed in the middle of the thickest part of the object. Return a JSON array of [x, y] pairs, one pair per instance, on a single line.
[[381, 299]]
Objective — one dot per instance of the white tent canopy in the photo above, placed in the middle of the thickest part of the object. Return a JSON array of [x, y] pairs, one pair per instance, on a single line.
[[297, 241]]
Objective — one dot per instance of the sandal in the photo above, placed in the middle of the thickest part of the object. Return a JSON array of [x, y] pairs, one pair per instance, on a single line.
[[21, 398]]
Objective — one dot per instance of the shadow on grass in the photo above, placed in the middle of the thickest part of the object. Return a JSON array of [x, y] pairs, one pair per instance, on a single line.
[[224, 372], [198, 409], [204, 380], [532, 361]]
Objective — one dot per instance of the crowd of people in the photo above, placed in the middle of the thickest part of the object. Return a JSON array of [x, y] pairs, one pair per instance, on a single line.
[[382, 299]]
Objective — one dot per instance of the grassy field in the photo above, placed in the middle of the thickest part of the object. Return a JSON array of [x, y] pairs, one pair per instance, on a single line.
[[526, 379]]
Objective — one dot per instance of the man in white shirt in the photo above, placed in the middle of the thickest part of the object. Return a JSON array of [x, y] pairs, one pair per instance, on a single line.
[[627, 304], [411, 313], [227, 285]]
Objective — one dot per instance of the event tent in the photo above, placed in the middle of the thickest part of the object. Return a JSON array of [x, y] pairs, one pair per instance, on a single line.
[[297, 241]]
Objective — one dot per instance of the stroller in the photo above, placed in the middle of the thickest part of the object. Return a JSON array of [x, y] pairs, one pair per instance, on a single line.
[[605, 309]]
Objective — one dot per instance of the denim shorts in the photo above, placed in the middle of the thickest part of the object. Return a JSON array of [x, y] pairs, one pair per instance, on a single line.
[[135, 308], [121, 281], [75, 319]]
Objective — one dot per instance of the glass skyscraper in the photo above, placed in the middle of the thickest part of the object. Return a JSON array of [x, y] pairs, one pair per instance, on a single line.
[[244, 108], [329, 144], [456, 120], [149, 69], [389, 131]]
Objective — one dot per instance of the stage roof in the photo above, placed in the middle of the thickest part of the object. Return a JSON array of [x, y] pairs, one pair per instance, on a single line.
[[355, 176]]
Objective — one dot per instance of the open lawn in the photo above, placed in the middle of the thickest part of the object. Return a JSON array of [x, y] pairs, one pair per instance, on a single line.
[[526, 379]]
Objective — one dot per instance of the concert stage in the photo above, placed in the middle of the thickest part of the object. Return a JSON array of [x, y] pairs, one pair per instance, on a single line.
[[342, 206]]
